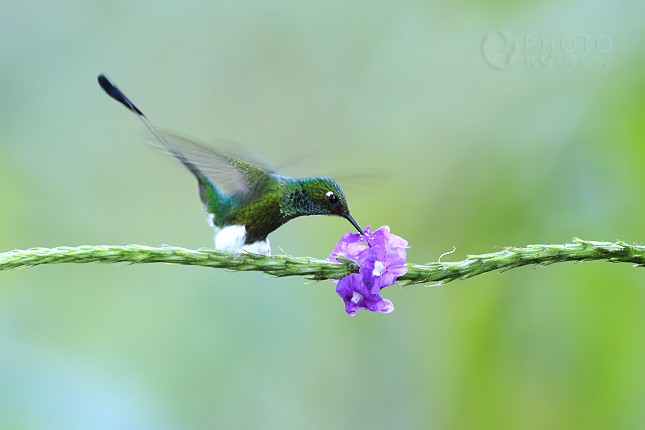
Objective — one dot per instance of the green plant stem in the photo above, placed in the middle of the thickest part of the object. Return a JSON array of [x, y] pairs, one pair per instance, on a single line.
[[285, 265]]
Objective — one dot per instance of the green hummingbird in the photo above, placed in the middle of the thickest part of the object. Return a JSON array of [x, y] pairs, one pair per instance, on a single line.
[[259, 200]]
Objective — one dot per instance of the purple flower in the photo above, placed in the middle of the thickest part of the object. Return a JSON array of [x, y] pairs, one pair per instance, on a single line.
[[380, 256], [356, 295], [380, 268], [391, 242], [350, 246]]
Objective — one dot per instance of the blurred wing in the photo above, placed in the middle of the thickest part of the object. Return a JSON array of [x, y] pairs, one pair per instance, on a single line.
[[228, 172], [362, 180]]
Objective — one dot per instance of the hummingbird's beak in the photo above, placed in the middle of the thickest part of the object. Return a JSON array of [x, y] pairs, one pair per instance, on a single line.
[[354, 223]]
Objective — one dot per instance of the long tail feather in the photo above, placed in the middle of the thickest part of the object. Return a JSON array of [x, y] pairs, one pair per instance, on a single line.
[[117, 95]]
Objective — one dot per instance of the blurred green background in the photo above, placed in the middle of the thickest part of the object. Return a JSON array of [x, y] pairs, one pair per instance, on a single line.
[[538, 152]]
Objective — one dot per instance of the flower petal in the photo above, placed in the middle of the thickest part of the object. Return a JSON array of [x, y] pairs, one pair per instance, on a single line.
[[381, 257]]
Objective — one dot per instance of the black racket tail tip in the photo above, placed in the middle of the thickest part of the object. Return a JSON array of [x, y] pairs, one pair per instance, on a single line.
[[116, 94]]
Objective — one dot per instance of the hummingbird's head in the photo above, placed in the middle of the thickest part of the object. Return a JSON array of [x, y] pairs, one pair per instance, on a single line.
[[327, 199]]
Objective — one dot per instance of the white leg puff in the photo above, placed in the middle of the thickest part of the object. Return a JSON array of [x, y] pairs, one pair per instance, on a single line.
[[232, 238]]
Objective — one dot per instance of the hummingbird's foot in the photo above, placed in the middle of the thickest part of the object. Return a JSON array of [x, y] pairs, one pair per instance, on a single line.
[[262, 248]]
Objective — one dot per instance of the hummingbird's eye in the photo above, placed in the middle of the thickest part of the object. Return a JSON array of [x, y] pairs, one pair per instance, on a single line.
[[332, 198]]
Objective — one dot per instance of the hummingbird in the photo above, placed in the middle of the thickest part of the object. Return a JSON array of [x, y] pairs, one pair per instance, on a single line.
[[259, 200]]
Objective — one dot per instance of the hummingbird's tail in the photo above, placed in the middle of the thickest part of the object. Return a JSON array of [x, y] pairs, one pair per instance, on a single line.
[[205, 184], [117, 95]]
